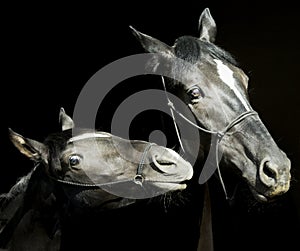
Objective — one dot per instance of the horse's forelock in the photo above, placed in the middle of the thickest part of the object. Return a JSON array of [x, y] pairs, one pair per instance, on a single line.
[[55, 143], [191, 49], [187, 48]]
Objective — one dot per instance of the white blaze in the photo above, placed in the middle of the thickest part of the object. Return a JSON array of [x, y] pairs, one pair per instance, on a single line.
[[226, 75]]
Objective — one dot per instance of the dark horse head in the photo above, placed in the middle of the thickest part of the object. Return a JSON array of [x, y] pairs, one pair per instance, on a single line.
[[90, 170], [215, 91]]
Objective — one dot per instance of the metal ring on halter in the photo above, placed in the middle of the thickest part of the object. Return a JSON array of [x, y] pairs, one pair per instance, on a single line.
[[138, 179]]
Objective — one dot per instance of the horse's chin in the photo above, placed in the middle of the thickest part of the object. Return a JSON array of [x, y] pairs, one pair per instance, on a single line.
[[116, 203], [165, 186], [260, 197]]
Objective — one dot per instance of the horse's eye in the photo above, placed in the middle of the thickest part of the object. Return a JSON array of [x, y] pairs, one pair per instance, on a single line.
[[195, 93], [74, 160]]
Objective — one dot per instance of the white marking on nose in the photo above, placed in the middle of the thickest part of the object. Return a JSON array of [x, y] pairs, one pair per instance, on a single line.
[[226, 75], [89, 135]]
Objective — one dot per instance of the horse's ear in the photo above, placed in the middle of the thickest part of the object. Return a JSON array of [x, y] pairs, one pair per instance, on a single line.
[[31, 148], [65, 120], [151, 44], [207, 27]]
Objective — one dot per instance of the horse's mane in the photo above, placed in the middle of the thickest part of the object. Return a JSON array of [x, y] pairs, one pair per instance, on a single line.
[[10, 207], [20, 187], [28, 209]]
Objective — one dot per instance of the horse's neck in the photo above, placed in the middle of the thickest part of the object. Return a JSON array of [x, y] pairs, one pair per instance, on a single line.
[[33, 234], [23, 209], [11, 208], [11, 199]]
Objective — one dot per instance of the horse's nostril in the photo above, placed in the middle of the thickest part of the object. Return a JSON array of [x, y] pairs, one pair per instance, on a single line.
[[269, 170], [165, 162], [268, 173]]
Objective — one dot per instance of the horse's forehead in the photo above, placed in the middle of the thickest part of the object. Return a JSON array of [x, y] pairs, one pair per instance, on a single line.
[[229, 73], [217, 77], [102, 142], [89, 135], [233, 79], [87, 142]]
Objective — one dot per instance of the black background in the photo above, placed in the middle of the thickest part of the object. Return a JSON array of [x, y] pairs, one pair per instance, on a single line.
[[49, 51]]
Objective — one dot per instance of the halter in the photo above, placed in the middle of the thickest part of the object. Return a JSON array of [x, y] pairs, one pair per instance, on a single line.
[[137, 179], [217, 136]]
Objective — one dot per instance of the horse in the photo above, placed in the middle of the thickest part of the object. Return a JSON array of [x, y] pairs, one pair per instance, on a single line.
[[87, 173], [214, 89]]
